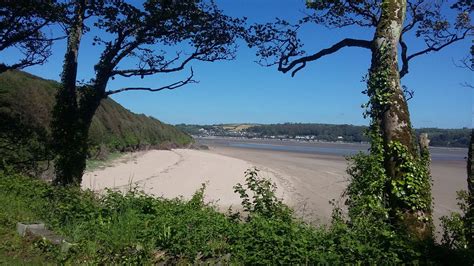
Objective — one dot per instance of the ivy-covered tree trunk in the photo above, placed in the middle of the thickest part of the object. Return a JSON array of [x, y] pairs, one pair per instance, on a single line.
[[90, 99], [68, 142], [75, 109], [408, 187], [470, 186]]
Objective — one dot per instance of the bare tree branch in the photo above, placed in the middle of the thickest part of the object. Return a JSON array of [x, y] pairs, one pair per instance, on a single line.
[[167, 87], [404, 69], [278, 42], [467, 85], [365, 13], [415, 14], [284, 67], [464, 63], [408, 93], [405, 59], [164, 68], [453, 39], [467, 63]]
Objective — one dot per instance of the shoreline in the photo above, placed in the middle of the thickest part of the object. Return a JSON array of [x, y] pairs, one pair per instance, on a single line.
[[307, 182], [305, 142]]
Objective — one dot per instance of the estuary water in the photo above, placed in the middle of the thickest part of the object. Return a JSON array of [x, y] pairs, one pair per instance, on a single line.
[[323, 148]]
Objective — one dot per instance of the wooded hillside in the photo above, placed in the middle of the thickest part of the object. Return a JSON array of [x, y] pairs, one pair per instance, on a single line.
[[26, 102]]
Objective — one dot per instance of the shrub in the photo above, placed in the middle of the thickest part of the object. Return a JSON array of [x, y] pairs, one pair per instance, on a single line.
[[135, 228], [259, 198]]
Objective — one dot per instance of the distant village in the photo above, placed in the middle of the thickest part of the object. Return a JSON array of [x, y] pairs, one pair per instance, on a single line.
[[220, 131]]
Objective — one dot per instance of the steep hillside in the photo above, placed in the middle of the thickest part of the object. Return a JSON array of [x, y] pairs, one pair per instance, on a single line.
[[26, 102]]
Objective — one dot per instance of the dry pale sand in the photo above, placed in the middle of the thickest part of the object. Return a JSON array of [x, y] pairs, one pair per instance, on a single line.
[[176, 173]]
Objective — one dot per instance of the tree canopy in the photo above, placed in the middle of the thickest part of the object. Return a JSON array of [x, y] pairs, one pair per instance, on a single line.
[[23, 27], [140, 36], [437, 24]]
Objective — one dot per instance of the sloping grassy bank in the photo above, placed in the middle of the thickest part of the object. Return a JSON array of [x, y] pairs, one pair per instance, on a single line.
[[135, 228]]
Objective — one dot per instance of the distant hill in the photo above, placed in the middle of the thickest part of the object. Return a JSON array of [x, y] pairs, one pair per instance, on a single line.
[[325, 132], [26, 102]]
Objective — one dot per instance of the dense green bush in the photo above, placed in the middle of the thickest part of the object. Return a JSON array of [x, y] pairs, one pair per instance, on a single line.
[[456, 232]]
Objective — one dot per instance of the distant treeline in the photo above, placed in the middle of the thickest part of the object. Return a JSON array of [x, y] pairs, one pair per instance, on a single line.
[[326, 132], [457, 137], [329, 132]]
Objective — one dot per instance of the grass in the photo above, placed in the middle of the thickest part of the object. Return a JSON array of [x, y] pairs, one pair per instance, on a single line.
[[237, 127], [94, 164], [13, 249]]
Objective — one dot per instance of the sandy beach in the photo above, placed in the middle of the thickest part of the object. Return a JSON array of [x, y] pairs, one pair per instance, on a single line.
[[176, 173], [312, 180], [306, 182]]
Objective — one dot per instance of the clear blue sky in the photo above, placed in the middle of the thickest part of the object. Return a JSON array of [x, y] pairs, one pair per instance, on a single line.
[[326, 91]]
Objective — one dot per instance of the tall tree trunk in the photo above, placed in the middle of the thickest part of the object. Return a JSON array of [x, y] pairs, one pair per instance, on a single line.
[[390, 112], [73, 117], [67, 140], [90, 97], [470, 186]]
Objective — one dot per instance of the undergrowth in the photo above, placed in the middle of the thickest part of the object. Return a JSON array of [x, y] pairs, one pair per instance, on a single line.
[[134, 228]]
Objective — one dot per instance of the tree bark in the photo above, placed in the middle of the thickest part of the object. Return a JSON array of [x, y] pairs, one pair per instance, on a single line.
[[470, 186], [392, 114], [68, 142]]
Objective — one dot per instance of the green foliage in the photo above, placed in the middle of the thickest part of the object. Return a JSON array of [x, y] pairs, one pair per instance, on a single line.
[[121, 228], [455, 229], [259, 198], [131, 131], [366, 190], [134, 228], [455, 247], [447, 137], [369, 227], [22, 135], [26, 103], [369, 239], [413, 188]]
